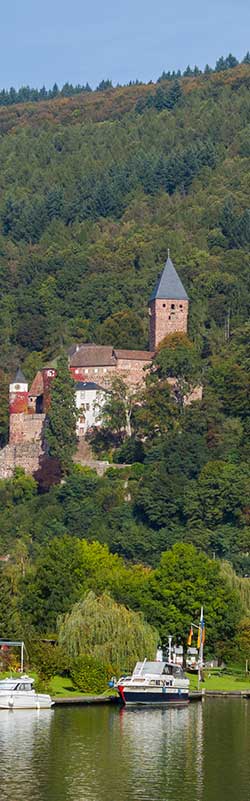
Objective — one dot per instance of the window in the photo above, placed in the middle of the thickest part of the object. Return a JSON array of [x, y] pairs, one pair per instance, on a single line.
[[164, 305], [105, 369], [86, 370], [82, 396], [87, 407], [172, 305], [96, 369], [181, 306]]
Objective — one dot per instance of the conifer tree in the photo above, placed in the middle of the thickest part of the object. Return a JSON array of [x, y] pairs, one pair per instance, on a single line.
[[61, 417]]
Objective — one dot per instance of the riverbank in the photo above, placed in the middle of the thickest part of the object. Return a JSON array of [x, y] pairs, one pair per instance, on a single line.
[[199, 695]]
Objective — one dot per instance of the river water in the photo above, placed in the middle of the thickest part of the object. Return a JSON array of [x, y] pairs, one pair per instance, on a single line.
[[198, 753]]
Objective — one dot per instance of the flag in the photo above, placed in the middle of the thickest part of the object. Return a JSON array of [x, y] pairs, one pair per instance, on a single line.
[[190, 636], [201, 631]]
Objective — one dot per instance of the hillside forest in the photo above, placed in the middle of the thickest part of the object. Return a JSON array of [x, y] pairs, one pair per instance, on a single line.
[[95, 187]]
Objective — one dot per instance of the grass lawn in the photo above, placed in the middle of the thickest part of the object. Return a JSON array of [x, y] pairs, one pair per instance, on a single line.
[[224, 682], [62, 686]]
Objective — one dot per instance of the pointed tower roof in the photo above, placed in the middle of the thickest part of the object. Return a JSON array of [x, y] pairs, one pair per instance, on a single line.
[[169, 286], [20, 377]]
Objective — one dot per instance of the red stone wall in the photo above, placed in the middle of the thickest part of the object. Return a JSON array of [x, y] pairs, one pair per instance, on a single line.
[[132, 371], [100, 375], [26, 428], [167, 317]]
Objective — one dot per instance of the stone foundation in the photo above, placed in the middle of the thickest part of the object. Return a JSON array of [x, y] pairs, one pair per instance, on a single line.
[[26, 456]]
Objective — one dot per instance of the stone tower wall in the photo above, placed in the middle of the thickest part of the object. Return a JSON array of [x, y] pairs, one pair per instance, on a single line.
[[26, 428], [167, 317]]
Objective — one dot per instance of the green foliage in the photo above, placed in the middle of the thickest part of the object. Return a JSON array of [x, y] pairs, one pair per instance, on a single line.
[[61, 417], [48, 660], [123, 328], [87, 212], [9, 614], [177, 358], [116, 412], [184, 581], [89, 674], [108, 631]]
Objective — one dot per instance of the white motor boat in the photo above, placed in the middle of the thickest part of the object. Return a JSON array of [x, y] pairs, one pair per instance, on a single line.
[[20, 694], [154, 683]]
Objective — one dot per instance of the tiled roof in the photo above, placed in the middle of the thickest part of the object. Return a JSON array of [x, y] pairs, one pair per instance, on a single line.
[[93, 356], [138, 355], [37, 386], [169, 286]]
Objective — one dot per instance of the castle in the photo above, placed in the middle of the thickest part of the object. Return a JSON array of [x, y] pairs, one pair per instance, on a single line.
[[92, 367]]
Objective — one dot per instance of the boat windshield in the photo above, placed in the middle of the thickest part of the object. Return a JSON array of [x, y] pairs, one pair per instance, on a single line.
[[8, 684], [173, 670], [24, 684], [143, 668]]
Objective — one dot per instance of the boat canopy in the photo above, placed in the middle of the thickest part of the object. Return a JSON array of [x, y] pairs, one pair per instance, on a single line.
[[157, 669]]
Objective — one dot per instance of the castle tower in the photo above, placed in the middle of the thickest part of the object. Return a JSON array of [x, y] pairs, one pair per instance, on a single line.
[[168, 306], [18, 394], [49, 373]]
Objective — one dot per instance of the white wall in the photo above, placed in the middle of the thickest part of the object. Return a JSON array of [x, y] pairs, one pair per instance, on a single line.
[[90, 401]]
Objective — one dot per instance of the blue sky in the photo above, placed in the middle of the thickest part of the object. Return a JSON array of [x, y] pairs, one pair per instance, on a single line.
[[79, 41]]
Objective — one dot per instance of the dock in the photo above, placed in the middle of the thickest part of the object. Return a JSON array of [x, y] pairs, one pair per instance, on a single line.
[[85, 700], [101, 700]]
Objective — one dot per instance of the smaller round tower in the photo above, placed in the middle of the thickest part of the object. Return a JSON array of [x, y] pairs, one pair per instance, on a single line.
[[18, 394]]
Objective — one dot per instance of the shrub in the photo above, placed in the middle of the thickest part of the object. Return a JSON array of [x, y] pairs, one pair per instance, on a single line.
[[49, 660], [90, 675]]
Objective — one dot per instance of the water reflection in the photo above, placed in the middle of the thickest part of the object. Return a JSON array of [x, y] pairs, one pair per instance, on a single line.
[[23, 734], [198, 753]]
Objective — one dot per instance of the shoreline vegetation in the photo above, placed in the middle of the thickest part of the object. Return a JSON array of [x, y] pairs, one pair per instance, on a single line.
[[234, 681]]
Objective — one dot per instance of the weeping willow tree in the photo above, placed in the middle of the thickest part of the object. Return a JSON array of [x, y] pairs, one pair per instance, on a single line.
[[242, 585], [108, 631]]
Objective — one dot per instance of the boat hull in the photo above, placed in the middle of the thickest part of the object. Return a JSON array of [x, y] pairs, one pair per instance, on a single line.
[[35, 701], [140, 697]]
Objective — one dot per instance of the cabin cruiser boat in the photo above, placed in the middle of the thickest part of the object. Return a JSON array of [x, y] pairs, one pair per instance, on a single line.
[[154, 683], [19, 694]]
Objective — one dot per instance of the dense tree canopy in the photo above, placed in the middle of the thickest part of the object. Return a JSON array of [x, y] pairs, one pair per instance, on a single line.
[[94, 189]]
